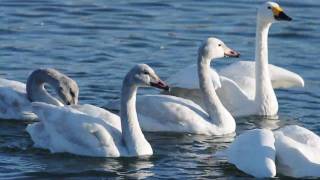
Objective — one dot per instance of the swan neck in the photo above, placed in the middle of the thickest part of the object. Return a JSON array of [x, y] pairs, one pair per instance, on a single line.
[[131, 131], [36, 91], [219, 115], [261, 52], [264, 94], [263, 81]]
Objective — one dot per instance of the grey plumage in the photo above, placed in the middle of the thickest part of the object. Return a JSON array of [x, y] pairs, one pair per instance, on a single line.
[[66, 88]]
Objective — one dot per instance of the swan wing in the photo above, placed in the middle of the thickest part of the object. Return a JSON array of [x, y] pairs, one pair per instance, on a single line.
[[101, 113], [163, 113], [16, 85], [233, 97], [253, 152], [301, 135], [64, 129], [14, 104], [185, 84], [282, 78], [242, 71], [297, 152], [187, 78]]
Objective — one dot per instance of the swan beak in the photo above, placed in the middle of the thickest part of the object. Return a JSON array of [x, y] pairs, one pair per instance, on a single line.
[[280, 15], [160, 84], [231, 53]]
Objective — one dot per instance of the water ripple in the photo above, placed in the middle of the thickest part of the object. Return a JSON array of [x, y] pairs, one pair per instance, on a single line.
[[96, 42]]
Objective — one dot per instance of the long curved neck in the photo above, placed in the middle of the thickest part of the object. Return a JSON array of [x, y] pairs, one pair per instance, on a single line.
[[36, 90], [264, 91], [131, 131], [219, 115]]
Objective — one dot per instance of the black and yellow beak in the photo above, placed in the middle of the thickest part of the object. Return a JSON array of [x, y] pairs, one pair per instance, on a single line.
[[279, 14]]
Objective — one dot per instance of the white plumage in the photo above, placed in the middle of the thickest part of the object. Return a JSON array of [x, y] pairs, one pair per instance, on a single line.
[[164, 113], [14, 103], [297, 150], [92, 131], [254, 153], [292, 151], [246, 86]]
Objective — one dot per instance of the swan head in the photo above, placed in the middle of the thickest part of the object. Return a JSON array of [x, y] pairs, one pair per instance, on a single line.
[[271, 12], [68, 90], [143, 75], [214, 48]]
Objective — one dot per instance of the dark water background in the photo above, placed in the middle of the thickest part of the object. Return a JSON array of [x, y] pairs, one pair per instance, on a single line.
[[96, 42]]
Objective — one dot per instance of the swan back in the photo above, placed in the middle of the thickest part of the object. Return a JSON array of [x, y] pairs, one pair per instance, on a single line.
[[297, 151], [254, 153], [186, 78], [64, 129]]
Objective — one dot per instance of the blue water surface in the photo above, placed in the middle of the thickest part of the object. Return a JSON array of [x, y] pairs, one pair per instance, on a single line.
[[96, 42]]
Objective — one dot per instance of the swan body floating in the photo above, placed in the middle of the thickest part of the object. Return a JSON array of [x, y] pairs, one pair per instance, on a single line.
[[164, 113], [16, 97], [297, 152], [292, 151], [68, 129], [246, 86], [254, 153]]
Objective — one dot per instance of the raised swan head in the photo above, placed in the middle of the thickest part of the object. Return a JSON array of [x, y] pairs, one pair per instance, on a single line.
[[214, 48], [271, 12], [143, 75]]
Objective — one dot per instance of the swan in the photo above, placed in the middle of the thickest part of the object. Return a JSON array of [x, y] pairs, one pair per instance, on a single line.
[[67, 129], [297, 152], [291, 151], [16, 97], [165, 113], [253, 152], [246, 86]]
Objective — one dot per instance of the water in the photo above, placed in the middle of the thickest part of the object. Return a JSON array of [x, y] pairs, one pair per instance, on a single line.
[[96, 42]]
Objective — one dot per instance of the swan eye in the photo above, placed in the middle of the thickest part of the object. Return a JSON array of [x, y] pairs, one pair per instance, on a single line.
[[269, 7], [145, 72], [219, 44]]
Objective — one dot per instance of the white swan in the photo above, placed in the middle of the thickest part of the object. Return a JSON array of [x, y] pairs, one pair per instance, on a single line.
[[291, 151], [174, 114], [66, 129], [253, 152], [16, 97], [297, 152], [246, 86]]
